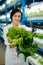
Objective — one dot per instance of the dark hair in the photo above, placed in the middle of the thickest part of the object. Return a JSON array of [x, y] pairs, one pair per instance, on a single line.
[[14, 11]]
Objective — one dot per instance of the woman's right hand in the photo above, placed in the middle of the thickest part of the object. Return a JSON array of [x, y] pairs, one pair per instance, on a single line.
[[11, 46]]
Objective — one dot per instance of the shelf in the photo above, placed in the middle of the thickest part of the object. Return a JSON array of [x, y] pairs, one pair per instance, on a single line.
[[39, 42], [35, 60]]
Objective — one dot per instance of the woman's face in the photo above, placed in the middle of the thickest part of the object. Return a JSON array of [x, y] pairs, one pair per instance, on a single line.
[[16, 18]]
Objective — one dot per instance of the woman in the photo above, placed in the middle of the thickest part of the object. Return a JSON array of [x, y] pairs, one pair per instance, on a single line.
[[11, 57]]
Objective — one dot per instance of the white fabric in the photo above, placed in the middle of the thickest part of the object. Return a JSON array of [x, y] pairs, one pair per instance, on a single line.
[[11, 54], [39, 31]]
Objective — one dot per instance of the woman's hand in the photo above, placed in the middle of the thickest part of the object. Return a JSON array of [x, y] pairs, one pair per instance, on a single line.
[[11, 46]]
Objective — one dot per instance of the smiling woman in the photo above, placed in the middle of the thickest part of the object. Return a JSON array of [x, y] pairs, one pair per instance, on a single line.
[[11, 54]]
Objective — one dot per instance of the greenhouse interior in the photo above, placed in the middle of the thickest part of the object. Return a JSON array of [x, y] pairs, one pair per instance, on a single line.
[[32, 18]]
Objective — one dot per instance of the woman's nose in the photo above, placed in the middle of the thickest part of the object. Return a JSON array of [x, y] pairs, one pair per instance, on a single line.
[[17, 18]]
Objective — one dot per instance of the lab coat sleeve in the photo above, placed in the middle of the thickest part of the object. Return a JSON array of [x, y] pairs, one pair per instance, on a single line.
[[5, 30], [27, 28]]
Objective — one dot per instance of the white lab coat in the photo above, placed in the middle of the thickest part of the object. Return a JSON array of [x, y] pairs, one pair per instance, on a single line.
[[11, 54]]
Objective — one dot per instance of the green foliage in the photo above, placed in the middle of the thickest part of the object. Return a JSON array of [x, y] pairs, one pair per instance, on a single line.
[[39, 35], [33, 13], [28, 49], [41, 61], [23, 40]]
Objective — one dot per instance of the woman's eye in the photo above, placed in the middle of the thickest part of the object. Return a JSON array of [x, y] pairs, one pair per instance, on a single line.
[[19, 16], [15, 16]]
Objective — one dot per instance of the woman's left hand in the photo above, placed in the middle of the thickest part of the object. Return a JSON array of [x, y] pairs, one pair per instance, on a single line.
[[11, 46]]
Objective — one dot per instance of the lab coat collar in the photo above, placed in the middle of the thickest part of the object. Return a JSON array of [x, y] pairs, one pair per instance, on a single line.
[[18, 24]]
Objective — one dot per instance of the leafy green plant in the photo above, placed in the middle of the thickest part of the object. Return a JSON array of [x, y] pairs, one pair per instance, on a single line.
[[41, 61], [23, 40], [38, 35]]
